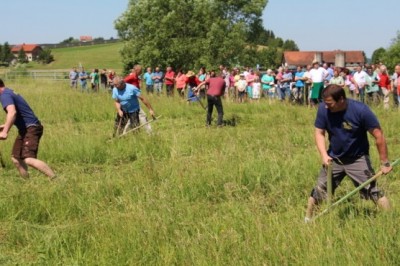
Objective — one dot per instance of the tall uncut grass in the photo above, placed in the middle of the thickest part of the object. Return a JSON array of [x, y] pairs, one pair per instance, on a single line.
[[186, 195]]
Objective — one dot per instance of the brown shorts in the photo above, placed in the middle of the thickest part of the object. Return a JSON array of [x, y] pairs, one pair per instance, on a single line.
[[27, 145]]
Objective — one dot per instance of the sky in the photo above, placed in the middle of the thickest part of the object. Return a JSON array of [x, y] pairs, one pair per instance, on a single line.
[[313, 24], [364, 25]]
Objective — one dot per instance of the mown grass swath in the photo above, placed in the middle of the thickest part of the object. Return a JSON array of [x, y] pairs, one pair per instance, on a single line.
[[186, 194]]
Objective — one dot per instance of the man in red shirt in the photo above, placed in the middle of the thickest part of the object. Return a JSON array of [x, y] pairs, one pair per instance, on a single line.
[[134, 77], [169, 81], [216, 89]]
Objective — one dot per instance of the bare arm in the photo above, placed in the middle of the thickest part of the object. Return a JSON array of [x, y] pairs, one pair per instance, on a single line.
[[10, 119], [118, 107], [148, 105], [320, 142], [380, 141]]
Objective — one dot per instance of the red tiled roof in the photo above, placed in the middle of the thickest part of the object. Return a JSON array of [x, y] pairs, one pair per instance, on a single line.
[[299, 58], [27, 47]]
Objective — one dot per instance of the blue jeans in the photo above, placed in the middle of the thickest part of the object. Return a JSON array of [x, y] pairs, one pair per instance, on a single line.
[[361, 92], [284, 92], [83, 85]]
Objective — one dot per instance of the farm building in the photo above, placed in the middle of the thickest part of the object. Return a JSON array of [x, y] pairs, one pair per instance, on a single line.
[[337, 57], [31, 50]]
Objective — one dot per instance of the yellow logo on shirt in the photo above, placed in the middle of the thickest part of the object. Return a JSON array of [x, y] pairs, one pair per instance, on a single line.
[[347, 125]]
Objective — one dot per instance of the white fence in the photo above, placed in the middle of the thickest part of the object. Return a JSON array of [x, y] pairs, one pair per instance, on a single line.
[[54, 75]]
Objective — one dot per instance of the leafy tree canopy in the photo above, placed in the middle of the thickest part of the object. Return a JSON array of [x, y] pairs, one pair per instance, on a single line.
[[392, 55], [189, 33]]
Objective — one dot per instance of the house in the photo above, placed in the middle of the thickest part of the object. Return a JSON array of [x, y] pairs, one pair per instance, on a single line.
[[86, 38], [31, 50], [348, 59]]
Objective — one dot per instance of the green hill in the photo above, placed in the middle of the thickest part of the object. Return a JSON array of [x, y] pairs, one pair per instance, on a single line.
[[93, 56]]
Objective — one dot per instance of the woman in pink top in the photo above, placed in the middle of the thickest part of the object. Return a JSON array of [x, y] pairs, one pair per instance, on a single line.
[[250, 79], [181, 81]]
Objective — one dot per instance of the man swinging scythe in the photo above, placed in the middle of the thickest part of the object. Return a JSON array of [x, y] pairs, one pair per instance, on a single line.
[[127, 104]]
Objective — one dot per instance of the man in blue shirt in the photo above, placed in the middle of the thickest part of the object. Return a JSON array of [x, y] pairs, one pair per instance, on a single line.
[[347, 122], [73, 78], [127, 104], [158, 77], [83, 76], [299, 85], [30, 131], [148, 78]]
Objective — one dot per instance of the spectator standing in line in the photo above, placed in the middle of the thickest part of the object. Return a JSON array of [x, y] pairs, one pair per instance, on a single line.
[[337, 78], [241, 86], [396, 85], [73, 78], [384, 85], [267, 81], [348, 83], [148, 79], [110, 78], [103, 79], [202, 76], [181, 81], [307, 85], [299, 85], [287, 78], [234, 74], [256, 89], [250, 79], [278, 79], [134, 77], [83, 76], [317, 76], [158, 77], [371, 86], [359, 80], [329, 73], [169, 81], [94, 80]]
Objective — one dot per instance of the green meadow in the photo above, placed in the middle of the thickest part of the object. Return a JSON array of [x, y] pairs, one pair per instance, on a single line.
[[91, 56], [187, 194]]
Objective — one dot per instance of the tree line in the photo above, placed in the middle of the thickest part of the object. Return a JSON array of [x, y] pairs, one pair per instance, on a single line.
[[390, 56], [193, 33]]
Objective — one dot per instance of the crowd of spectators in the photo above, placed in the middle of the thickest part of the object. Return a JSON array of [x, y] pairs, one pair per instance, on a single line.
[[371, 84]]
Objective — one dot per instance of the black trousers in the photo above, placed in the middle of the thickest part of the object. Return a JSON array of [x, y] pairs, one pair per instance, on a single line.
[[217, 102], [120, 122]]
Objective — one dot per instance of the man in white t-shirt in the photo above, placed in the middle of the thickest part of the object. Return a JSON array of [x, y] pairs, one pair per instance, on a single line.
[[359, 80]]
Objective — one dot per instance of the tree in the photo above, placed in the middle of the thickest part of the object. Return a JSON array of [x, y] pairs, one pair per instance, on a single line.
[[186, 33], [276, 42], [378, 55], [70, 40], [45, 56], [392, 55], [290, 45], [6, 55], [21, 58]]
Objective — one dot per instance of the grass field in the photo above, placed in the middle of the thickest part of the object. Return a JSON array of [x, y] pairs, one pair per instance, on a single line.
[[186, 195], [95, 56]]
